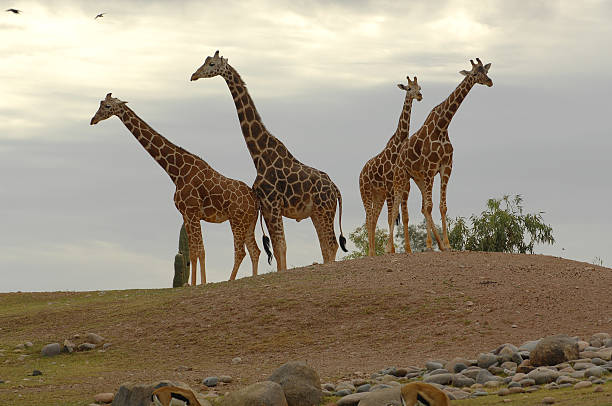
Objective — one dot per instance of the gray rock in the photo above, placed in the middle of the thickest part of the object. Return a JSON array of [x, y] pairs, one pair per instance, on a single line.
[[36, 372], [86, 347], [388, 397], [566, 379], [28, 344], [583, 384], [211, 381], [51, 350], [93, 338], [352, 399], [359, 381], [433, 365], [300, 383], [265, 393], [400, 372], [598, 361], [486, 359], [380, 386], [543, 375], [527, 382], [577, 374], [364, 388], [599, 339], [529, 345], [236, 360], [479, 393], [130, 394], [457, 365], [329, 387], [594, 371], [68, 346], [343, 392], [442, 379], [509, 365], [498, 350], [495, 370], [106, 346], [608, 343], [438, 372], [514, 385], [462, 381], [579, 366], [471, 372], [345, 385], [485, 376], [225, 379], [505, 354], [554, 350]]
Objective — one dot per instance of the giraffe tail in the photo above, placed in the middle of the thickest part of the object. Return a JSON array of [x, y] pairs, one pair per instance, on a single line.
[[265, 239], [398, 218], [342, 240]]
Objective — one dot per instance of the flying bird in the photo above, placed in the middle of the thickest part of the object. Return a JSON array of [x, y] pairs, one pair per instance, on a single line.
[[99, 15], [13, 10]]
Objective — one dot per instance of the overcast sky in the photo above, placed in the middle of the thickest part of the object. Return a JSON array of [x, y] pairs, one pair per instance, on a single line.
[[85, 207]]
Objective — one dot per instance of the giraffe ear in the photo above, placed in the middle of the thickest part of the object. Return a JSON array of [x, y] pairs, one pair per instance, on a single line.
[[486, 67], [122, 102], [464, 72], [401, 86]]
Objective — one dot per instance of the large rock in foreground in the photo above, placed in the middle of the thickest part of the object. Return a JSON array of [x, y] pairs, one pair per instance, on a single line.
[[130, 394], [554, 350], [388, 397], [301, 383], [266, 393]]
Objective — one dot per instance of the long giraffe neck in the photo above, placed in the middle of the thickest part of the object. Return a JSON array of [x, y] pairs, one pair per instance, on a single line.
[[403, 127], [165, 153], [254, 131], [447, 109]]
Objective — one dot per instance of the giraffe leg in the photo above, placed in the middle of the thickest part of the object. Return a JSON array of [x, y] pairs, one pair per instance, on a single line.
[[445, 173], [400, 178], [251, 244], [323, 222], [254, 251], [407, 247], [196, 246], [371, 221], [274, 223], [426, 210], [238, 247], [390, 219]]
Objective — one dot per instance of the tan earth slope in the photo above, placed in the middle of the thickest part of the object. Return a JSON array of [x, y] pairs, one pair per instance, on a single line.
[[358, 315]]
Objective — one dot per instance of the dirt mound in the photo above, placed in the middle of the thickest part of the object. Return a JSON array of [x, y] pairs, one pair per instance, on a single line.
[[358, 315]]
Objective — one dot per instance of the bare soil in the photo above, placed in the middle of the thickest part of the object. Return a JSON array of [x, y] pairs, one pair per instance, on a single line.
[[358, 315]]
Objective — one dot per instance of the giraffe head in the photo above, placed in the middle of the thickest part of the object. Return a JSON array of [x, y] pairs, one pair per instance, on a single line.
[[213, 66], [413, 90], [110, 106], [479, 72]]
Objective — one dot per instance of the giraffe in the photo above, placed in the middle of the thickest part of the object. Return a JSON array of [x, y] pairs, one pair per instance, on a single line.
[[285, 186], [201, 192], [429, 152], [376, 177]]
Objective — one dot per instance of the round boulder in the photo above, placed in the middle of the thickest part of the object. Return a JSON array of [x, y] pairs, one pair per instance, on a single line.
[[259, 394], [300, 383], [554, 350]]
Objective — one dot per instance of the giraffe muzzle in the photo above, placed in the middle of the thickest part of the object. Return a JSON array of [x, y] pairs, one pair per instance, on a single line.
[[194, 77]]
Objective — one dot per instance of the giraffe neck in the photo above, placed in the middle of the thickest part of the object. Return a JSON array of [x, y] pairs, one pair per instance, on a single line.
[[254, 131], [449, 107], [403, 127], [163, 151]]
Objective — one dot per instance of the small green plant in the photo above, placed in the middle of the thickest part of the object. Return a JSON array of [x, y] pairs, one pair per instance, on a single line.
[[181, 260], [359, 237], [502, 227]]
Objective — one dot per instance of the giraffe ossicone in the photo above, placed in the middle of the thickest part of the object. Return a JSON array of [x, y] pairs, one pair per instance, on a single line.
[[376, 176], [285, 186], [429, 152], [201, 192]]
